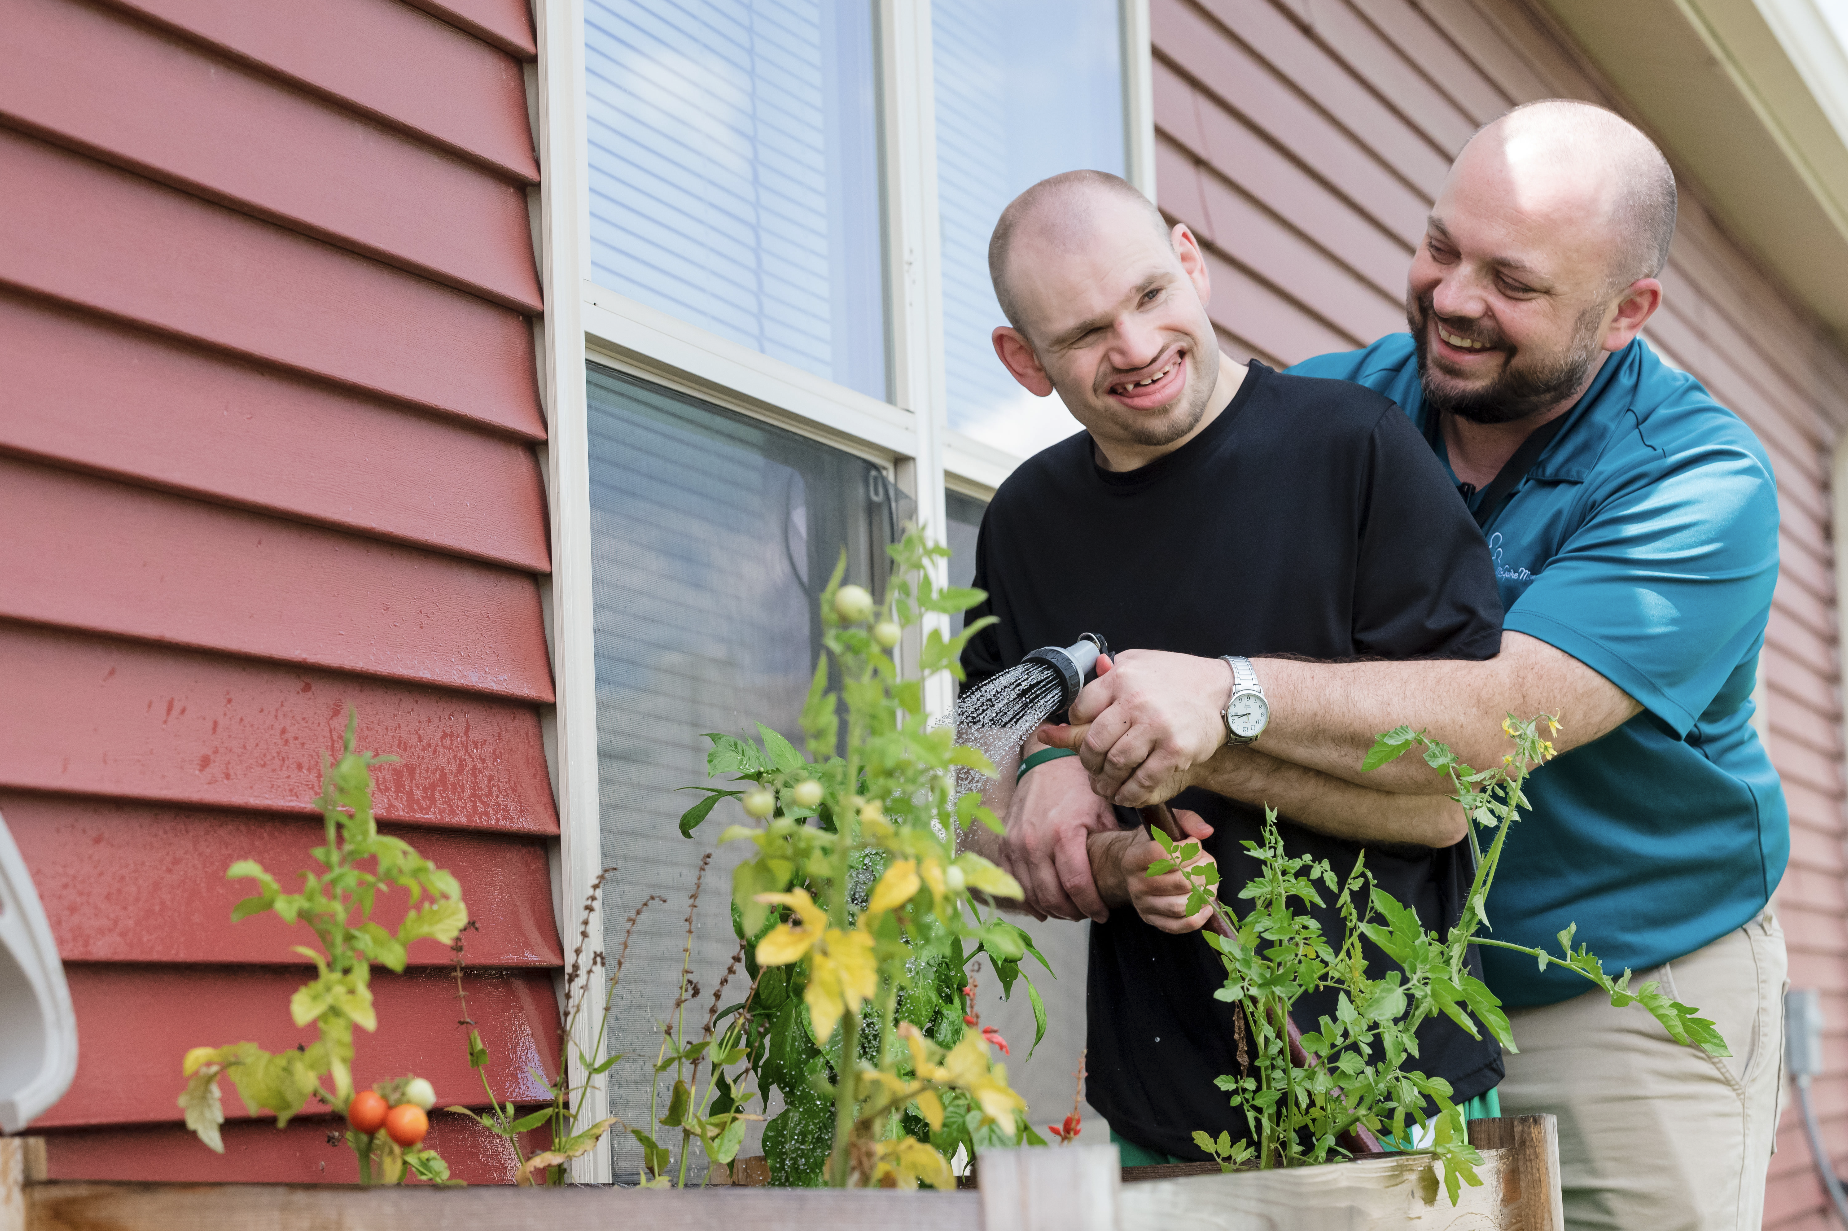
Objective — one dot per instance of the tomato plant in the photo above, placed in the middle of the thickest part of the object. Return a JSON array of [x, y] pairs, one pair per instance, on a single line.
[[1360, 1070], [860, 920], [336, 902]]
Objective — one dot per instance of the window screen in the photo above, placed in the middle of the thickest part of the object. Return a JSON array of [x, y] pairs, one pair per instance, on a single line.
[[965, 521], [712, 535], [734, 173], [1024, 90]]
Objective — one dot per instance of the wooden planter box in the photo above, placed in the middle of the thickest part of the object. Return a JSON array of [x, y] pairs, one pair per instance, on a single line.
[[1062, 1188]]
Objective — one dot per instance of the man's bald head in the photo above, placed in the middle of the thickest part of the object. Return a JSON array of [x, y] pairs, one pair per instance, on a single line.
[[1595, 152], [1061, 213]]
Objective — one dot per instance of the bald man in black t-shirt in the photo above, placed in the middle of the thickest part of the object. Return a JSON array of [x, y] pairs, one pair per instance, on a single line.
[[1207, 508]]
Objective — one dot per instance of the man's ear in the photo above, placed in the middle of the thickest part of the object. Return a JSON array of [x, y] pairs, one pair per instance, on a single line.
[[1017, 356], [1193, 261], [1640, 301]]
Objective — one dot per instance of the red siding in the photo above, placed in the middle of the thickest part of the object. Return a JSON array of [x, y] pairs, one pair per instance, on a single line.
[[265, 333], [1304, 144]]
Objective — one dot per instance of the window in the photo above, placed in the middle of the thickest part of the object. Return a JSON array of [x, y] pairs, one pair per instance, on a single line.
[[763, 334], [734, 173], [1024, 90], [713, 536]]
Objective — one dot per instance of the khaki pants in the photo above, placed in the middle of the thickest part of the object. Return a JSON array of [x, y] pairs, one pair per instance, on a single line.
[[1654, 1136]]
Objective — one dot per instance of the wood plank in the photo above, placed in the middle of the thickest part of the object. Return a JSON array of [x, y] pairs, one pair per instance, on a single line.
[[161, 871], [128, 1063], [90, 553], [1072, 1188], [1244, 84], [115, 243], [252, 1207], [1417, 38], [1530, 1176], [1234, 152], [387, 60], [1372, 117], [1371, 1192], [256, 1151], [145, 99], [1249, 308], [506, 24], [98, 716], [245, 434], [1282, 255], [1405, 83]]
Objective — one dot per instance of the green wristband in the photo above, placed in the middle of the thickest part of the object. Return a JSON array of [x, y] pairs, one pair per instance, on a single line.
[[1040, 758]]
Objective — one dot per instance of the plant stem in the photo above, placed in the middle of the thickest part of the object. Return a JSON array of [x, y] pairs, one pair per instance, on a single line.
[[839, 1160]]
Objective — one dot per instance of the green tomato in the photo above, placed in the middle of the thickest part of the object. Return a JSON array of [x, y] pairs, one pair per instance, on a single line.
[[853, 604], [872, 810], [420, 1092], [807, 794], [954, 880], [759, 803], [887, 633]]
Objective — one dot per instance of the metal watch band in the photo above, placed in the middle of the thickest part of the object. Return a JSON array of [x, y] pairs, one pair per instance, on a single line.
[[1244, 675]]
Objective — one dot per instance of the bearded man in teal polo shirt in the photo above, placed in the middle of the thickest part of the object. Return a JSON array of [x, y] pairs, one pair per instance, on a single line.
[[1633, 524]]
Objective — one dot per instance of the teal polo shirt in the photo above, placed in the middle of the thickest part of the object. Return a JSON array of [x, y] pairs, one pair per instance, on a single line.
[[1643, 542]]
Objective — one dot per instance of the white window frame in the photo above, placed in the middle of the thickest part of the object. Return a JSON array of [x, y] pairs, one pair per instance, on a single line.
[[586, 322]]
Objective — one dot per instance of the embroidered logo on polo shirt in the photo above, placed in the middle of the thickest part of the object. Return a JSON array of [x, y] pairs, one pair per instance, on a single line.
[[1505, 572]]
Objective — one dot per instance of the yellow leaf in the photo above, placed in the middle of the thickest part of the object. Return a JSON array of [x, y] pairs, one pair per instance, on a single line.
[[787, 942], [931, 1108], [908, 1160], [896, 887], [983, 875], [842, 976], [998, 1101], [933, 876], [196, 1057]]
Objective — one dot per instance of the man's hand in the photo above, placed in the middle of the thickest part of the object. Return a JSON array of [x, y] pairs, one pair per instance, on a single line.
[[1121, 859], [1145, 722], [1051, 814]]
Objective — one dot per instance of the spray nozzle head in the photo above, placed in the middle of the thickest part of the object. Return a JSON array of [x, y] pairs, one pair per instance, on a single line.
[[1076, 664]]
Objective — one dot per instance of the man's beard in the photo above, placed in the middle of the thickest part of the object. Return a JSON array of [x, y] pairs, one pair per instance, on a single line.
[[1520, 390]]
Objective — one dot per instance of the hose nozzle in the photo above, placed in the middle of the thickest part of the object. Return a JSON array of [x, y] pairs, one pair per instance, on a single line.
[[1076, 665]]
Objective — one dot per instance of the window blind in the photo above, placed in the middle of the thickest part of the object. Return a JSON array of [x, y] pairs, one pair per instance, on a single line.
[[734, 173]]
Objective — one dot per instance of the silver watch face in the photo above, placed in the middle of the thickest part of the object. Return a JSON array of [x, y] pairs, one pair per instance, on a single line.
[[1246, 714]]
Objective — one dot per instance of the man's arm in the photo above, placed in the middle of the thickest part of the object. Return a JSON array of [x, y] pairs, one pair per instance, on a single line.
[[1327, 716], [1047, 818], [1148, 727]]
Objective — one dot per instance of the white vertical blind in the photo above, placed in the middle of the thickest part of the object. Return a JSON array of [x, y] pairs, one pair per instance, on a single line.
[[734, 173], [712, 536], [1024, 90]]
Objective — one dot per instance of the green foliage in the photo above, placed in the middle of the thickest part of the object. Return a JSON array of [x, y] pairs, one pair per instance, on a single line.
[[861, 923], [1359, 1069], [336, 902]]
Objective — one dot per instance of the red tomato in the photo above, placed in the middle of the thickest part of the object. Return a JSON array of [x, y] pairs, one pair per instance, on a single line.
[[367, 1111], [407, 1124]]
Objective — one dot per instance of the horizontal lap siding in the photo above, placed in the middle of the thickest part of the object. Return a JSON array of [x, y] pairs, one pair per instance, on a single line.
[[1304, 143], [266, 334]]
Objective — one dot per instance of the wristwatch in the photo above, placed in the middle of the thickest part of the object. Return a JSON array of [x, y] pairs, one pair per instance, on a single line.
[[1247, 712]]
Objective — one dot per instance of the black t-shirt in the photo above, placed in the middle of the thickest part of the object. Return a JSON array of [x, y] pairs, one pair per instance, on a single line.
[[1311, 519]]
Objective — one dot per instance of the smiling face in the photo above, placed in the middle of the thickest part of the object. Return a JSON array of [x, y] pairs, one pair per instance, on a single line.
[[1513, 298], [1113, 315]]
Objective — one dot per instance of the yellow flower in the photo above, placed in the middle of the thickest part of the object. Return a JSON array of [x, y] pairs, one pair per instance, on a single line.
[[904, 1162], [787, 942], [896, 887], [1508, 726], [842, 975], [932, 870]]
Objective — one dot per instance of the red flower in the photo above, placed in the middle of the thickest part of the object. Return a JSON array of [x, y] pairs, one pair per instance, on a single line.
[[970, 1019], [994, 1036], [1067, 1131]]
